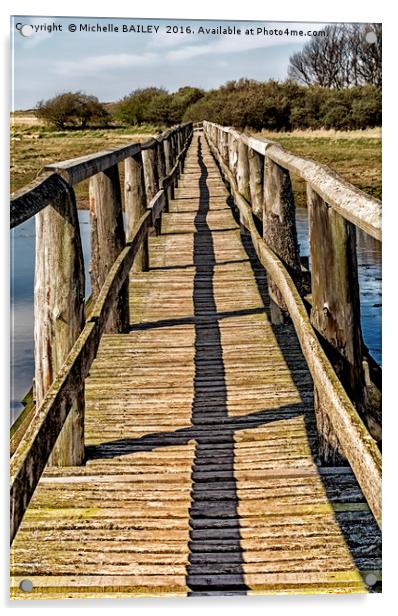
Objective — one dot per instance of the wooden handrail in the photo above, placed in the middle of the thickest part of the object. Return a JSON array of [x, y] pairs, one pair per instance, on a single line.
[[353, 204], [356, 442], [55, 178], [42, 432]]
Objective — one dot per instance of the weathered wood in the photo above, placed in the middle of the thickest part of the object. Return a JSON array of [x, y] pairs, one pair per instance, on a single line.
[[135, 204], [59, 313], [76, 170], [279, 229], [157, 206], [161, 161], [335, 311], [30, 199], [221, 492], [107, 239], [352, 203], [32, 453], [356, 443], [242, 177], [256, 181]]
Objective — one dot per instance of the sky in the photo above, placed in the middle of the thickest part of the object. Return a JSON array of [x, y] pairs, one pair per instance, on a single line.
[[111, 64]]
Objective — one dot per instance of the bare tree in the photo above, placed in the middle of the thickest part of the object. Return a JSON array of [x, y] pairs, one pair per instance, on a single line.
[[345, 56]]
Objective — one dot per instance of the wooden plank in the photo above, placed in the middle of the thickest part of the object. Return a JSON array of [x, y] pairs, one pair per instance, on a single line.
[[199, 424], [357, 445], [30, 458]]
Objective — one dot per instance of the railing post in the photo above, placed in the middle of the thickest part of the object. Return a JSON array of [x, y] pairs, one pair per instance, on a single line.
[[279, 230], [232, 153], [107, 240], [242, 178], [224, 152], [256, 181], [59, 314], [150, 172], [135, 204], [335, 310]]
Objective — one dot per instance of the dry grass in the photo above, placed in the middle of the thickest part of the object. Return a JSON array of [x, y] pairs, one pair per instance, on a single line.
[[355, 155], [33, 146]]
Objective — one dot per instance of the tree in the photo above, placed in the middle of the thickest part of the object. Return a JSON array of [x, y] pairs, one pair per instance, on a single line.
[[142, 105], [72, 109], [342, 58]]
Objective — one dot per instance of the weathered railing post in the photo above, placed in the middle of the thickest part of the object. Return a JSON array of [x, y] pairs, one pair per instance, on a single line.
[[335, 310], [242, 177], [135, 203], [256, 182], [59, 314], [232, 152], [168, 158], [107, 240], [279, 230], [150, 171]]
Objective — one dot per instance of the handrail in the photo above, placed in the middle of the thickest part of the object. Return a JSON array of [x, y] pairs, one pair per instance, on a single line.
[[54, 179], [32, 453], [357, 444], [350, 202]]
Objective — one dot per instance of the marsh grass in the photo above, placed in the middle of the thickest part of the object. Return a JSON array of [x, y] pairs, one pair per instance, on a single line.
[[355, 155]]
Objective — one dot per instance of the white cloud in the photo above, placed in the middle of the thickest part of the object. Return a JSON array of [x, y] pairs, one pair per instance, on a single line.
[[97, 64]]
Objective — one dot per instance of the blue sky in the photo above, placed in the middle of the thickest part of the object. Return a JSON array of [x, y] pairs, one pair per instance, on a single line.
[[110, 65]]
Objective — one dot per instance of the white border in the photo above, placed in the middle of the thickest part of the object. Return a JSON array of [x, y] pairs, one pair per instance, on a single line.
[[288, 10]]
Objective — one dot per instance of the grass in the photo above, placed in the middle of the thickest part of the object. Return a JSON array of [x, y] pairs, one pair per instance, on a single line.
[[355, 155], [34, 145]]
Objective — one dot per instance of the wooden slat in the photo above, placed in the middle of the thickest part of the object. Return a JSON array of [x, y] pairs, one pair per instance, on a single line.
[[200, 477], [356, 442]]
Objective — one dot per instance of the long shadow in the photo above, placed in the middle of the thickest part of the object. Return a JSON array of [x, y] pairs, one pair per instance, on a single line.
[[216, 565], [207, 572]]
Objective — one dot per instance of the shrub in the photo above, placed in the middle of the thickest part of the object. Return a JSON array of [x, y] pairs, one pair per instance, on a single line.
[[72, 109]]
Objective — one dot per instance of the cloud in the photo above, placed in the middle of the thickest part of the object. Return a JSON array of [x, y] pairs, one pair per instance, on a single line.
[[97, 64]]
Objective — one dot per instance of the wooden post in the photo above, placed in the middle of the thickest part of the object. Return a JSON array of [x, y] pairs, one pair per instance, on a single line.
[[242, 178], [161, 161], [279, 230], [256, 181], [59, 314], [135, 204], [107, 240], [232, 153], [224, 151], [335, 310], [167, 154], [150, 172]]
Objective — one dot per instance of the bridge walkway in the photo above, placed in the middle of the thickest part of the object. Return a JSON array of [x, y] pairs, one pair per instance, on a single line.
[[200, 435]]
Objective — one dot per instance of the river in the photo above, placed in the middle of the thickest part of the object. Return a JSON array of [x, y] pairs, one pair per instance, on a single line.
[[22, 282]]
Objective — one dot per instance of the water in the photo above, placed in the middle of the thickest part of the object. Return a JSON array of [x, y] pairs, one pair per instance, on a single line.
[[369, 271], [23, 268], [22, 255]]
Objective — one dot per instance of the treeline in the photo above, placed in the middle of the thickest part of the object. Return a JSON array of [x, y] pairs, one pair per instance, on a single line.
[[246, 103], [286, 106]]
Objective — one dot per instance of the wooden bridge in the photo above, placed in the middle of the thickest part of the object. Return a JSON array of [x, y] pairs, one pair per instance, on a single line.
[[176, 446]]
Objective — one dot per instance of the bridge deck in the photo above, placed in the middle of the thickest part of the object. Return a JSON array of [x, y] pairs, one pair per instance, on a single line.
[[200, 431]]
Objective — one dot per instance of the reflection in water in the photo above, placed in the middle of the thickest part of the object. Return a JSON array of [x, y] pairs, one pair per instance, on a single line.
[[369, 265], [22, 280]]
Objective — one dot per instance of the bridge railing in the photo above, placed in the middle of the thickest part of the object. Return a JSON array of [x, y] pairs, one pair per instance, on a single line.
[[66, 338], [258, 173]]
